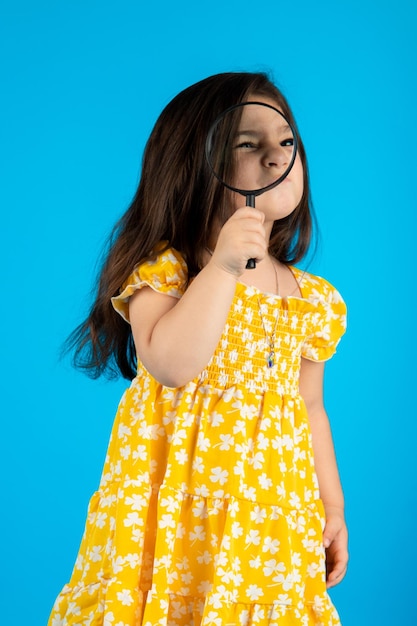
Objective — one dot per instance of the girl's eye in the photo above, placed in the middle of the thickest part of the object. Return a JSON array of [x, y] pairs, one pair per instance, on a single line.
[[248, 145], [287, 142]]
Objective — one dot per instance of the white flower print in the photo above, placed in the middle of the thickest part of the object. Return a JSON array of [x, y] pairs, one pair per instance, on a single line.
[[100, 519], [200, 509], [254, 592], [203, 443], [270, 545], [295, 500], [258, 515], [249, 492], [181, 456], [257, 460], [167, 521], [136, 502], [198, 465], [170, 503], [227, 442], [178, 609], [124, 432], [213, 619], [178, 437], [244, 618], [186, 579], [198, 534], [237, 530], [133, 560], [255, 563], [233, 508], [139, 453], [301, 524], [205, 557], [239, 469], [217, 598], [202, 491], [287, 581], [273, 567], [117, 564], [219, 475], [125, 597], [125, 451], [170, 417], [264, 481], [137, 535], [239, 427], [181, 531], [253, 537], [313, 570], [258, 613], [263, 442], [132, 519], [216, 419], [247, 411], [95, 554]]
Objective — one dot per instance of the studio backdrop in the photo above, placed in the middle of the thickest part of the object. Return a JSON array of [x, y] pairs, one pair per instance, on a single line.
[[82, 84]]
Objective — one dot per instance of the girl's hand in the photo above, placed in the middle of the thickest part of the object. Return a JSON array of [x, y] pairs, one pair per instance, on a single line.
[[335, 539], [241, 238]]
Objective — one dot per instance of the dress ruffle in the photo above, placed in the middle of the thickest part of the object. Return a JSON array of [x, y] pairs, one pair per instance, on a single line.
[[214, 592], [329, 319], [167, 274]]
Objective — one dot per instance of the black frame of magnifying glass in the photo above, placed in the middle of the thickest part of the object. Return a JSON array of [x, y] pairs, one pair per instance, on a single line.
[[252, 193]]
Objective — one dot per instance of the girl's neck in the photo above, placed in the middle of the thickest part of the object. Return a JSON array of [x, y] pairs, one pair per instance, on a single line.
[[271, 276]]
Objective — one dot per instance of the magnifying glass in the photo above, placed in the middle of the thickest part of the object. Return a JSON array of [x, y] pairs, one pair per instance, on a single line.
[[251, 148]]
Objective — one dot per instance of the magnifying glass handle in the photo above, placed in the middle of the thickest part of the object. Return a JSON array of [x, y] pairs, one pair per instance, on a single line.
[[250, 201]]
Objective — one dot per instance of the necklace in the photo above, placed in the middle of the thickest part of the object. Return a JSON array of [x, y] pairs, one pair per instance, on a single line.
[[270, 339]]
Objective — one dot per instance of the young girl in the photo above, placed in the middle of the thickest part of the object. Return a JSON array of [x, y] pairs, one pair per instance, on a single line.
[[220, 475]]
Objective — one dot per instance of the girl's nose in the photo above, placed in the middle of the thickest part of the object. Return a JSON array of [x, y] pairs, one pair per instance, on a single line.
[[276, 157]]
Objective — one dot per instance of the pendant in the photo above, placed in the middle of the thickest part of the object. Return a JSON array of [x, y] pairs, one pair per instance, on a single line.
[[269, 339]]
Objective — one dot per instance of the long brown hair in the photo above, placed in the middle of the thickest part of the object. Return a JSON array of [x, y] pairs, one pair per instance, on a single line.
[[178, 200]]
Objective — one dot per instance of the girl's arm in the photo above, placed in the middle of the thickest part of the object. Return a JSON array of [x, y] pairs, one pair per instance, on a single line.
[[174, 338], [335, 532]]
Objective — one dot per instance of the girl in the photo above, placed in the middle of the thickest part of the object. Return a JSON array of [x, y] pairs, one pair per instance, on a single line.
[[220, 475]]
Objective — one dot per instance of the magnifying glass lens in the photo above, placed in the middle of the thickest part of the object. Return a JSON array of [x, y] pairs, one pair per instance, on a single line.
[[251, 148]]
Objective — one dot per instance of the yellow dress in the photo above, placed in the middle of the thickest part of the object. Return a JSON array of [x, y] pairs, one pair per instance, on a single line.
[[208, 511]]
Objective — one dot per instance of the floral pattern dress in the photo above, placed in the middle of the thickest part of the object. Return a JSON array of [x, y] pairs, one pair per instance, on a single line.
[[208, 511]]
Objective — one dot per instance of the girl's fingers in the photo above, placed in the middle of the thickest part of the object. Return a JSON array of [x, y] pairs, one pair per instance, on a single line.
[[242, 237], [336, 575], [335, 542]]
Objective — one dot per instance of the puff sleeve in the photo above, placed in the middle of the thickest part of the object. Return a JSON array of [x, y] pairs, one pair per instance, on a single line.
[[328, 322], [167, 274]]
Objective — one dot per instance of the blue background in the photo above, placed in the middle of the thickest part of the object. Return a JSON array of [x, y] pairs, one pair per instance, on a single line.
[[82, 84]]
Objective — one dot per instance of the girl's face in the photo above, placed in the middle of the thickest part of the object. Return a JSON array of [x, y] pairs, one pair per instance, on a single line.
[[262, 152]]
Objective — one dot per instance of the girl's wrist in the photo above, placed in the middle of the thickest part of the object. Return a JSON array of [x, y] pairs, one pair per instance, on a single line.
[[334, 509], [223, 272]]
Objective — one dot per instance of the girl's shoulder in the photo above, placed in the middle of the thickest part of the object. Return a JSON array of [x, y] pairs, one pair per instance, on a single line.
[[315, 288], [165, 261], [328, 320], [165, 271]]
